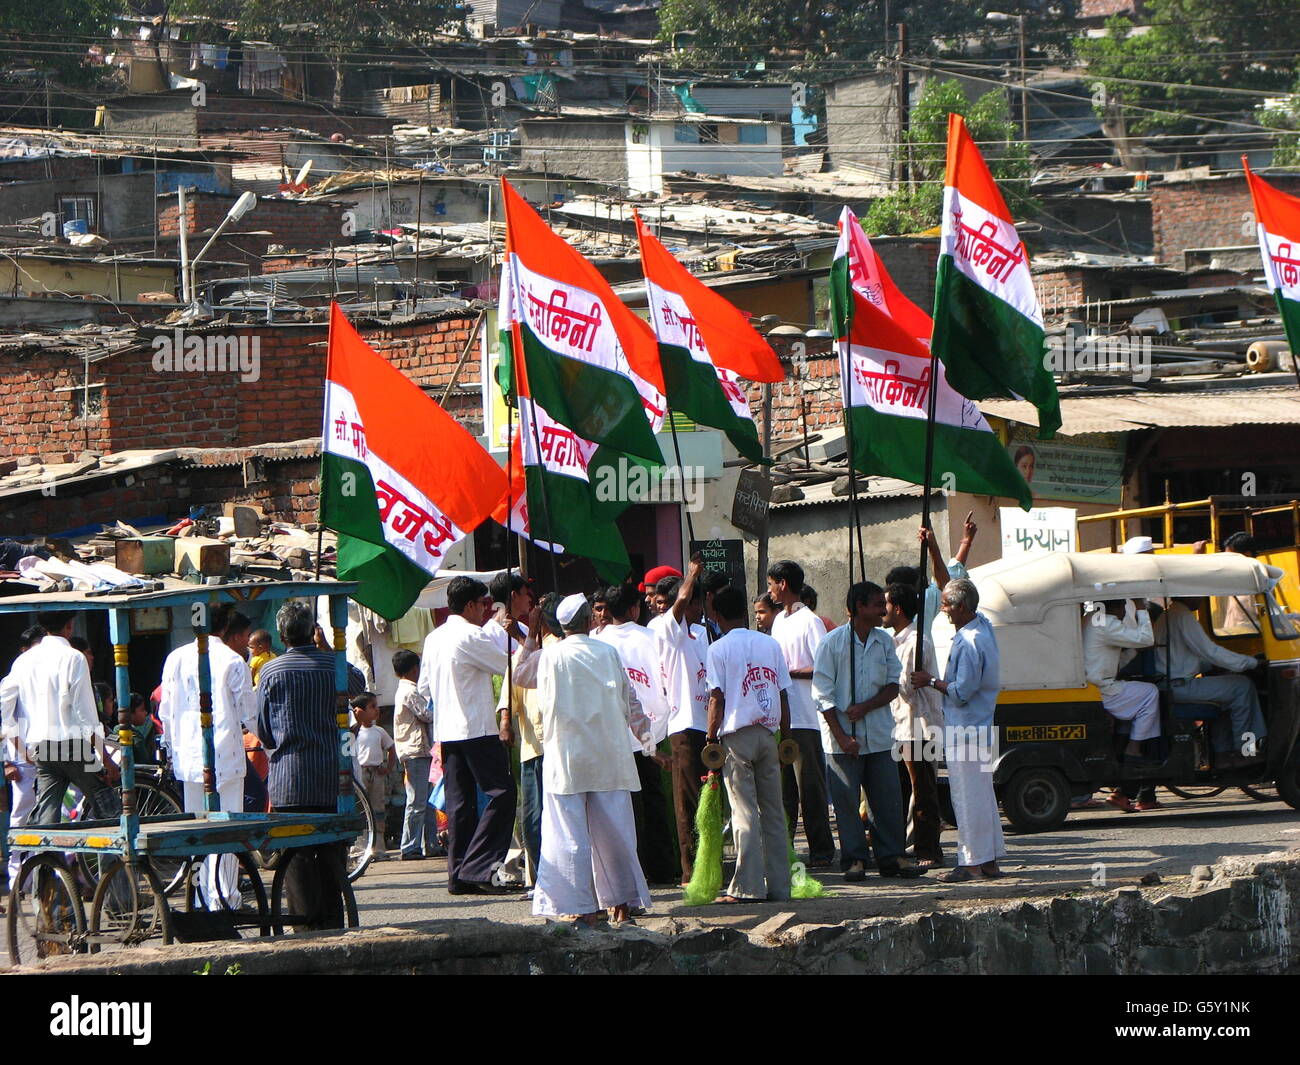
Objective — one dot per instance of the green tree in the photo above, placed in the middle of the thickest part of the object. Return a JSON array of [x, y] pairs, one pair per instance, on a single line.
[[1285, 115], [337, 28], [58, 34], [919, 205], [1172, 66]]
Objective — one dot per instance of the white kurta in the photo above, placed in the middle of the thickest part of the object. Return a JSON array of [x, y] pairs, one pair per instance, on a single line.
[[587, 704], [1105, 639], [234, 707]]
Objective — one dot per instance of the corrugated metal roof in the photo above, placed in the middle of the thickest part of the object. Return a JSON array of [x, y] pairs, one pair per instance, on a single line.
[[869, 488], [1145, 410]]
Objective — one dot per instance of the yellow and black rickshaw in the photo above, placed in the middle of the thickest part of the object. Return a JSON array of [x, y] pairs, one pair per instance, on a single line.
[[1055, 739]]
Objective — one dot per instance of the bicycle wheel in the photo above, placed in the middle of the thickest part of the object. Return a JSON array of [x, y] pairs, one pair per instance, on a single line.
[[152, 800], [1196, 791], [46, 918], [1265, 791], [130, 905], [362, 849]]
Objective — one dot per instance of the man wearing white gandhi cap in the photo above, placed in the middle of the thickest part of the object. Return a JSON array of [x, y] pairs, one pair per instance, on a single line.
[[586, 703]]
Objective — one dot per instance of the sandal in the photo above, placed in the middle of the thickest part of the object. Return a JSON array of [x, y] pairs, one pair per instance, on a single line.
[[996, 874], [731, 900], [929, 863], [960, 875]]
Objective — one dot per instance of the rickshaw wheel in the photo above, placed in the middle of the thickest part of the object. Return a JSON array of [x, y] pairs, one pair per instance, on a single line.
[[1197, 791], [129, 909], [1262, 792], [1037, 799], [48, 920], [327, 898]]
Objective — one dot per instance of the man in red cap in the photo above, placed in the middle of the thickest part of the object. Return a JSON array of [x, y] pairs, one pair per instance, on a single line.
[[647, 586]]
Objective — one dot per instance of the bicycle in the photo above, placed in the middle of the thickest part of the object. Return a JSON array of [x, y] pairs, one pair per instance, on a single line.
[[362, 849]]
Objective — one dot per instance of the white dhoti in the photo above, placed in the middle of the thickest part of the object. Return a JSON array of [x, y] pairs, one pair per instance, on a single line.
[[225, 866], [24, 801], [1138, 702], [588, 860], [979, 824]]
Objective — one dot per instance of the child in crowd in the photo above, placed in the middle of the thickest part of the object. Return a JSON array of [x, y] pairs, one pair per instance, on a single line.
[[377, 758], [146, 732], [259, 649]]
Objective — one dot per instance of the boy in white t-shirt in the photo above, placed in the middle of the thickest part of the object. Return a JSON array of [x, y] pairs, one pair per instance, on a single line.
[[377, 757], [748, 701]]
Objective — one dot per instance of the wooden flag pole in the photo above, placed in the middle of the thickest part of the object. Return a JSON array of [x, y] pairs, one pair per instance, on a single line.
[[922, 580], [681, 473]]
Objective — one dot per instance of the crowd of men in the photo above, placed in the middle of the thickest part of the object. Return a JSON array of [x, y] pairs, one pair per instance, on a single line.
[[613, 700]]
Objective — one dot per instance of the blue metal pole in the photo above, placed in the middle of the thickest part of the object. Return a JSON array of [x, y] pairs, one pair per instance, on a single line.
[[119, 631], [339, 622]]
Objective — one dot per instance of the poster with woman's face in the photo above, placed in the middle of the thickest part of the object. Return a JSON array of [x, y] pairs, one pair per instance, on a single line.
[[1079, 469]]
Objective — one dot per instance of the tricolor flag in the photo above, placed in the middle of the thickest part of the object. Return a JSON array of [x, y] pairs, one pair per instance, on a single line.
[[551, 501], [885, 381], [988, 325], [705, 345], [1277, 221], [590, 362], [401, 481]]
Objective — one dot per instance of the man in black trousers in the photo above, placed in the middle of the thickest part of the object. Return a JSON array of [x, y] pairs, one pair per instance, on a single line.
[[456, 673]]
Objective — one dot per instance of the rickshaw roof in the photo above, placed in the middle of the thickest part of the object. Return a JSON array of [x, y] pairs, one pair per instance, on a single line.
[[174, 593], [1022, 588]]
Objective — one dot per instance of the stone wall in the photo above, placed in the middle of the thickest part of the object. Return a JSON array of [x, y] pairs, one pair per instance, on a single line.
[[1238, 918]]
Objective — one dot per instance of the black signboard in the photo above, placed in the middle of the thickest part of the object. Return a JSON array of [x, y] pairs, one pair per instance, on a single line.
[[723, 556], [749, 508]]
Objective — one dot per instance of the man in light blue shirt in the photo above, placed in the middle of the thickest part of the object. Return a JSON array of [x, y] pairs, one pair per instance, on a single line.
[[970, 694], [855, 679]]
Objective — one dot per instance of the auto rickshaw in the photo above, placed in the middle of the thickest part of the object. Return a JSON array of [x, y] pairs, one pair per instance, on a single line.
[[1056, 740]]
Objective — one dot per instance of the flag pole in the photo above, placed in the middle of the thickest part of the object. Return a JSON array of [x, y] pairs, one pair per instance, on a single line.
[[681, 472], [922, 581]]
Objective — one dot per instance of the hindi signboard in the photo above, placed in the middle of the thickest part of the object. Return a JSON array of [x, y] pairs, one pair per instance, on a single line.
[[749, 508], [1076, 469], [1040, 529], [723, 556]]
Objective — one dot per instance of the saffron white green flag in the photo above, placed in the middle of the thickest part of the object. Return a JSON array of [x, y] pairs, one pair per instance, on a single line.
[[988, 325], [885, 380], [1277, 221]]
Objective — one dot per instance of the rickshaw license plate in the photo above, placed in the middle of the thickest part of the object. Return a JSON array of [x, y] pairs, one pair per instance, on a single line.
[[1035, 733]]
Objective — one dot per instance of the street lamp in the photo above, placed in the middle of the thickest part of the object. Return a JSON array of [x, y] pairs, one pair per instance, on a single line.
[[241, 207], [1002, 16]]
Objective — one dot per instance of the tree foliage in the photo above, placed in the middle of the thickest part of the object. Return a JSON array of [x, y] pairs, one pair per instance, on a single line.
[[1285, 115], [59, 33], [919, 205], [1246, 44]]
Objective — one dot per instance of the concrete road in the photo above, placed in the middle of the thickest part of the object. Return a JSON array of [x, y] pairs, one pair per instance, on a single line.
[[1094, 851]]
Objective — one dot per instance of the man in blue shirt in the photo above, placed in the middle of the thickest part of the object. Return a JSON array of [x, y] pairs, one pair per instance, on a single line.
[[855, 679], [970, 695]]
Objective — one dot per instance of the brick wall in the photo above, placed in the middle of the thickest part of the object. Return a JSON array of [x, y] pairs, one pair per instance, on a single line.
[[1061, 289], [292, 223], [1213, 213], [148, 408], [288, 493]]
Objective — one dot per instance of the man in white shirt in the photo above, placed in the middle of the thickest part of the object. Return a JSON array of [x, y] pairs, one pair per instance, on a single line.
[[918, 728], [234, 708], [749, 700], [682, 644], [588, 861], [639, 654], [64, 736], [1183, 650], [1106, 638], [800, 632], [456, 673], [18, 770]]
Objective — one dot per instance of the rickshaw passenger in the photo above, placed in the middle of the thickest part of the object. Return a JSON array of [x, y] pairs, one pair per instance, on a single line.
[[1107, 636], [1190, 651]]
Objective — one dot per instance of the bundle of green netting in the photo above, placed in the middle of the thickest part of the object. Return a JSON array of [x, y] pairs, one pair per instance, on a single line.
[[706, 876]]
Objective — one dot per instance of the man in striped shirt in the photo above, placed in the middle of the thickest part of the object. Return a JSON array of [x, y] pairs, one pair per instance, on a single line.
[[296, 716]]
